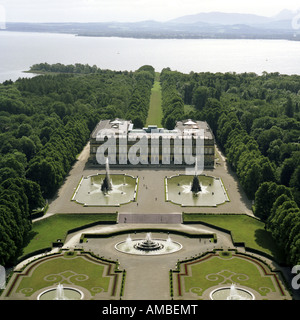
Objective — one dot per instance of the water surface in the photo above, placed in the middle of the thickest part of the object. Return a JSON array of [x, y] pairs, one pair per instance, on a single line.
[[20, 50]]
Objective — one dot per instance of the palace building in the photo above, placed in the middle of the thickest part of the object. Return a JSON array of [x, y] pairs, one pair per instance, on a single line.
[[122, 144]]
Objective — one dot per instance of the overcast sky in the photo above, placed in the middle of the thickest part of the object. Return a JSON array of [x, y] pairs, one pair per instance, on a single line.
[[132, 10]]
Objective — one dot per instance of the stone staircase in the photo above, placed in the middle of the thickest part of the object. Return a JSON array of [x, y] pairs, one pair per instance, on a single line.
[[153, 218]]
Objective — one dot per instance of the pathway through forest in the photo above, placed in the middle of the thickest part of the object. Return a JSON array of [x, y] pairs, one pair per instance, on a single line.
[[155, 113]]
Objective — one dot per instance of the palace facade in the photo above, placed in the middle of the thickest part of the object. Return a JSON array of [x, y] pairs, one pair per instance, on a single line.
[[122, 144]]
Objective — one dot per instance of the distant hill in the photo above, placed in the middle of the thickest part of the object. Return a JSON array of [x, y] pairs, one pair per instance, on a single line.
[[222, 18], [283, 20], [213, 25]]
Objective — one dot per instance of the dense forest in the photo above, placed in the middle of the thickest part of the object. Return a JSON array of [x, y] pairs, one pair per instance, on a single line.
[[44, 124], [46, 121], [256, 122]]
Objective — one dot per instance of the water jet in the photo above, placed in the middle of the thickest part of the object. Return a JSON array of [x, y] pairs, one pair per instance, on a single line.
[[148, 246], [231, 293], [60, 292]]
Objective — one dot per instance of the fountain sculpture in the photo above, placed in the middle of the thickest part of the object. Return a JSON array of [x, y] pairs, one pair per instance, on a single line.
[[148, 246], [196, 183], [106, 189], [195, 190], [231, 293], [106, 184]]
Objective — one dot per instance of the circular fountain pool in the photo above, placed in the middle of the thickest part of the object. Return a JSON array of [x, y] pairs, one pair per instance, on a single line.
[[61, 293], [231, 293], [148, 246]]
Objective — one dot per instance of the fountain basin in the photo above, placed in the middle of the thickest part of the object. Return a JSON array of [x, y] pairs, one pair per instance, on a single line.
[[89, 193], [148, 246], [231, 293], [179, 191], [68, 293]]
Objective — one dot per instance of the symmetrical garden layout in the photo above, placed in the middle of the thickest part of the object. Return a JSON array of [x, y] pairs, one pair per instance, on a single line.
[[84, 256], [93, 267], [197, 278], [96, 278], [75, 244]]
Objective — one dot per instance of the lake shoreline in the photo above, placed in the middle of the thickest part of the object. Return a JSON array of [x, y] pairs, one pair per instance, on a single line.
[[167, 37], [24, 49]]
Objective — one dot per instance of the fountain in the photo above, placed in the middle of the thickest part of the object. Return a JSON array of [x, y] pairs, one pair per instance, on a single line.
[[106, 184], [169, 244], [148, 246], [128, 243], [61, 293], [106, 189], [196, 183], [231, 293], [195, 190]]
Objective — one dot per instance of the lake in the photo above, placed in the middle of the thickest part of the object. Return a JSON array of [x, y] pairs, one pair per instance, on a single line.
[[20, 50]]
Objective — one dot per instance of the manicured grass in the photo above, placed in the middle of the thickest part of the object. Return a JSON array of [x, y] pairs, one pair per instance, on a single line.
[[243, 229], [48, 230], [155, 113], [216, 270], [189, 108], [77, 271]]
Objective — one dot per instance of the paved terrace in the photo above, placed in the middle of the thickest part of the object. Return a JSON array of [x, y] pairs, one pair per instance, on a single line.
[[147, 277], [151, 194], [150, 212]]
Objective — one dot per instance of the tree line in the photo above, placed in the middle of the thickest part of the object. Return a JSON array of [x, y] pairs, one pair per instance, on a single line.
[[172, 102], [77, 68], [140, 99], [256, 122], [45, 122]]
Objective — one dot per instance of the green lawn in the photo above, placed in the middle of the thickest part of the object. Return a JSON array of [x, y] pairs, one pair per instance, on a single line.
[[189, 108], [155, 113], [74, 270], [48, 230], [243, 229], [216, 270]]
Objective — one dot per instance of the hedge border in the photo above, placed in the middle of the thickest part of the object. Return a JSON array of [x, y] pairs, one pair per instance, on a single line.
[[210, 254], [142, 230]]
